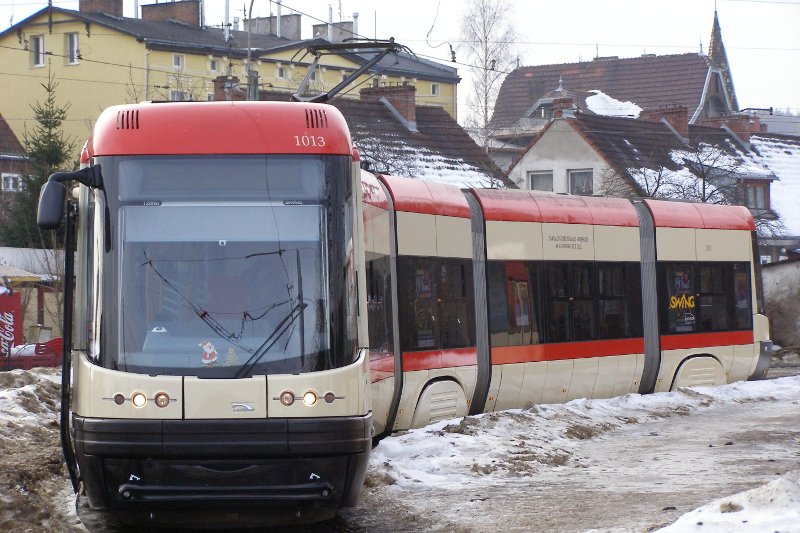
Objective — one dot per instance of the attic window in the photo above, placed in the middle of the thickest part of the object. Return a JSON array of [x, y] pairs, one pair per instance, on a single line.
[[435, 90], [37, 50], [540, 180], [213, 65], [178, 61], [73, 54]]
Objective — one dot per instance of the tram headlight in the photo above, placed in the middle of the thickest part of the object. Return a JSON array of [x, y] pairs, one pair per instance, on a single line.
[[162, 399], [138, 399], [287, 398], [310, 398]]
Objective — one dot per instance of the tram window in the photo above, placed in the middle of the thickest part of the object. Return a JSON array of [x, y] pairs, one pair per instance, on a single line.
[[379, 304], [678, 298], [582, 315], [557, 303], [712, 305], [456, 303], [612, 312], [743, 298], [499, 323], [418, 308]]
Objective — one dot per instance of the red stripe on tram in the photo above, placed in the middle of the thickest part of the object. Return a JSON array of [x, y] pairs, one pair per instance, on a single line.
[[566, 350]]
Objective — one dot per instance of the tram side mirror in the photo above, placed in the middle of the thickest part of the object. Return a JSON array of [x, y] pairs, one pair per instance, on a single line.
[[51, 205]]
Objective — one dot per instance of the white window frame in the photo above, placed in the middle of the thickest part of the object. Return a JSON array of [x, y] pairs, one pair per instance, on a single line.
[[591, 180], [178, 61], [280, 72], [436, 89], [213, 64], [179, 95], [37, 50], [71, 48], [11, 182], [534, 173]]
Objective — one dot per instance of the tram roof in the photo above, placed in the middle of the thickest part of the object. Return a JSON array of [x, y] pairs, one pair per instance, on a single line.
[[196, 128], [692, 215], [426, 197], [528, 206]]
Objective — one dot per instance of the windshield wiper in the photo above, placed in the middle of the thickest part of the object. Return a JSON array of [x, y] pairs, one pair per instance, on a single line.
[[294, 313]]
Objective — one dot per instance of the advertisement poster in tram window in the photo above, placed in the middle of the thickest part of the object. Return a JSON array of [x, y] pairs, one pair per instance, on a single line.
[[10, 322], [682, 301]]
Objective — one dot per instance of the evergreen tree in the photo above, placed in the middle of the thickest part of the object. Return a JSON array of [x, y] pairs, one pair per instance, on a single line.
[[48, 151]]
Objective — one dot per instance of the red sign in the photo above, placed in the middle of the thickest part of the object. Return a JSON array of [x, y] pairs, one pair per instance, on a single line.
[[10, 322]]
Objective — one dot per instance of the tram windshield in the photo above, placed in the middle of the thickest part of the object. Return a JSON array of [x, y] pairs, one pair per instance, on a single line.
[[225, 266]]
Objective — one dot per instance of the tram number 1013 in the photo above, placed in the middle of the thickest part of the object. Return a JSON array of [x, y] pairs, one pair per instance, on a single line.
[[309, 140]]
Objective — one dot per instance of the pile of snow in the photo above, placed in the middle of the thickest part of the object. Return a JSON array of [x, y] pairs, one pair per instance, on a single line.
[[771, 507], [602, 104], [493, 449]]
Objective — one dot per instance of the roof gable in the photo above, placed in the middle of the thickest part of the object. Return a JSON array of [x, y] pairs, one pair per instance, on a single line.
[[647, 81]]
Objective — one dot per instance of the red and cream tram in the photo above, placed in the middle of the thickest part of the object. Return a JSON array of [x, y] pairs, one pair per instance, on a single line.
[[251, 310]]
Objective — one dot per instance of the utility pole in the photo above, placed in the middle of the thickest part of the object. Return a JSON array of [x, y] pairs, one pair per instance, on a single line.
[[252, 75]]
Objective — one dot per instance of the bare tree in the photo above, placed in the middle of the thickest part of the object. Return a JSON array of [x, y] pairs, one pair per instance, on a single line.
[[699, 172], [490, 37]]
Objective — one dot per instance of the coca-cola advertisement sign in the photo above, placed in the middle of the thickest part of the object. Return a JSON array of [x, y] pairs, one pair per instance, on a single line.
[[10, 322]]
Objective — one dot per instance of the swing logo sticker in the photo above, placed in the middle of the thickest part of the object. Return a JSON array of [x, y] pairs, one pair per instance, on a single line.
[[681, 302]]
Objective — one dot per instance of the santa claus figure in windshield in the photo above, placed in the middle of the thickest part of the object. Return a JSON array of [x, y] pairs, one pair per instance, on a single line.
[[209, 357]]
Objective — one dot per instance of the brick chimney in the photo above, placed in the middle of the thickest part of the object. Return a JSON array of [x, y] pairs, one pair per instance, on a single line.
[[401, 99], [226, 88], [677, 116], [186, 11], [562, 107], [112, 7], [742, 125]]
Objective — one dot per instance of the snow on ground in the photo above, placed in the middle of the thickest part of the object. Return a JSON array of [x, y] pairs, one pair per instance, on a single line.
[[632, 463], [547, 447], [771, 507]]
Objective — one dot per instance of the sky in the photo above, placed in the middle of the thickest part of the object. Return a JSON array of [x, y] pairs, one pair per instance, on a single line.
[[760, 36]]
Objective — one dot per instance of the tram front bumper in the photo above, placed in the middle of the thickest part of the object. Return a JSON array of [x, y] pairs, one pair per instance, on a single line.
[[189, 463]]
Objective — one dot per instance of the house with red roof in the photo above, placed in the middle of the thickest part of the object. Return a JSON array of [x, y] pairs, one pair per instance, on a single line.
[[527, 99]]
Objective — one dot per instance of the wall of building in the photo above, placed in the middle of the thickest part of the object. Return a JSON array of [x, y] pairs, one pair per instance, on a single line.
[[115, 69], [782, 296], [560, 150]]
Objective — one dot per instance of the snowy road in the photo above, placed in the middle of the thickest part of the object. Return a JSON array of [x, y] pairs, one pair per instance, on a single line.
[[627, 464], [634, 463]]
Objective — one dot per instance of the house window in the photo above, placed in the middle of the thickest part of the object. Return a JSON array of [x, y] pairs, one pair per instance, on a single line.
[[757, 196], [73, 54], [177, 61], [12, 182], [281, 72], [580, 182], [375, 82], [176, 95], [435, 89], [540, 180], [37, 50], [213, 65]]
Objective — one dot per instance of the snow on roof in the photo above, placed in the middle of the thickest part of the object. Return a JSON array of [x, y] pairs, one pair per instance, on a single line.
[[782, 155], [602, 104]]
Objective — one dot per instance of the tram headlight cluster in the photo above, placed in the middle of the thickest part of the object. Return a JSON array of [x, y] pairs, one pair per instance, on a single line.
[[140, 399], [309, 398]]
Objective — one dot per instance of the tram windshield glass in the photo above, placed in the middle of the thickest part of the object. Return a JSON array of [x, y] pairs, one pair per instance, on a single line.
[[227, 266]]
